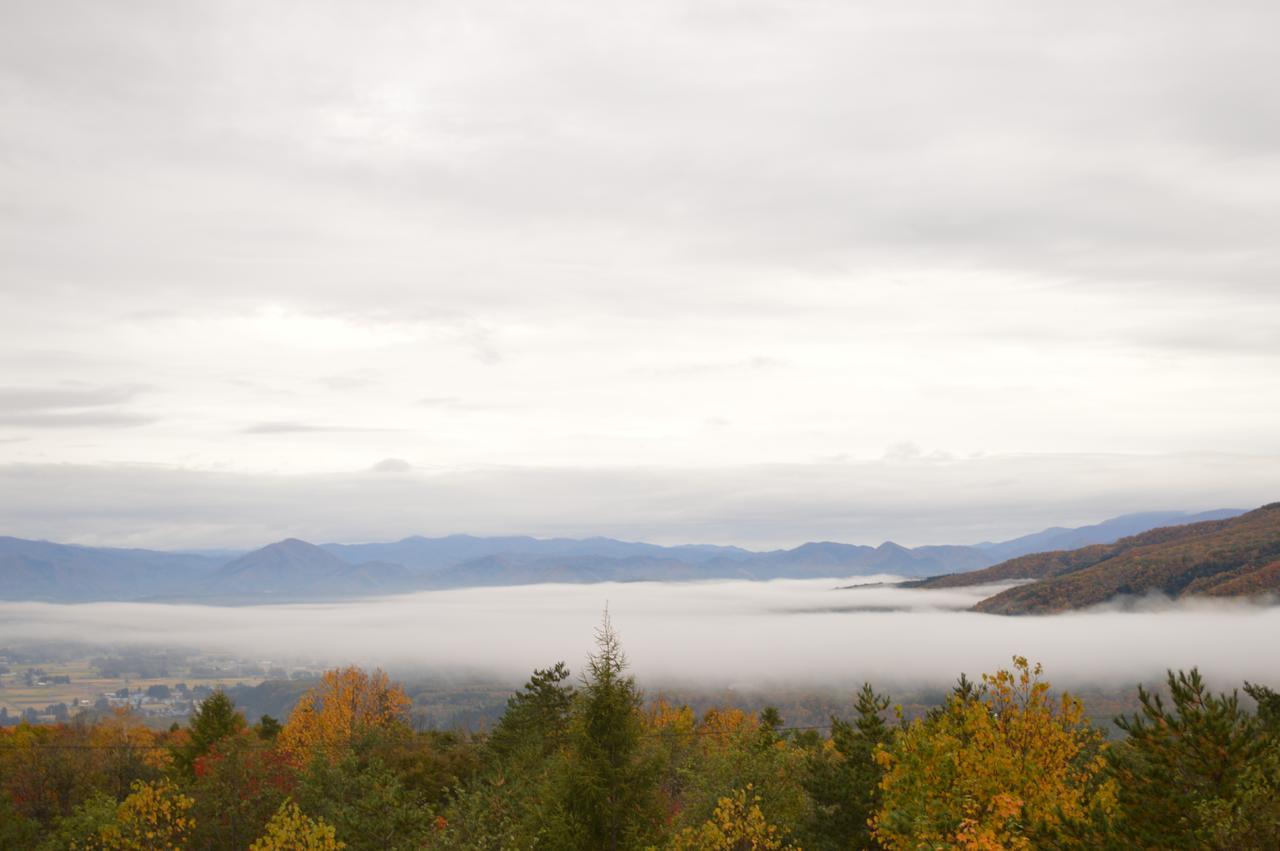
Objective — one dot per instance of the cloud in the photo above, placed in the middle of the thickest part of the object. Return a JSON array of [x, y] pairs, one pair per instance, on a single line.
[[62, 398], [761, 506], [835, 226], [715, 634], [757, 362], [348, 382], [76, 419], [392, 465], [71, 406], [295, 427]]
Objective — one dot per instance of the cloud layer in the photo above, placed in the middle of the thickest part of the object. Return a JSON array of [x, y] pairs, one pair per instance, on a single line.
[[747, 634], [594, 246], [913, 501]]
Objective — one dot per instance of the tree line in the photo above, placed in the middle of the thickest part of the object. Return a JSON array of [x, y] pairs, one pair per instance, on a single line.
[[588, 763]]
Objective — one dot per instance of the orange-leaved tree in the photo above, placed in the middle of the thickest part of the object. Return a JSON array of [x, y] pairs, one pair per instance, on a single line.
[[348, 703], [1003, 766]]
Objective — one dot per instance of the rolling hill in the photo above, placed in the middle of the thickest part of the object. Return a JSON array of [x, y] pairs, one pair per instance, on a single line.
[[1235, 557]]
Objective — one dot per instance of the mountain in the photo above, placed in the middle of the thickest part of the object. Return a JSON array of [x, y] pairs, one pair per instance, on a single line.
[[292, 568], [1106, 532], [41, 570], [429, 554], [828, 559], [295, 569], [1235, 557], [523, 570]]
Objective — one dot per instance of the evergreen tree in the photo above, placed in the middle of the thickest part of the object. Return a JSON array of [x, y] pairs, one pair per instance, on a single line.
[[845, 786], [1178, 761], [1268, 701], [215, 719], [612, 786], [366, 801], [537, 716], [268, 728]]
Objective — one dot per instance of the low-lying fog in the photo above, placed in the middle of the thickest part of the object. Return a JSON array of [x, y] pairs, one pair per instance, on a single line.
[[742, 634]]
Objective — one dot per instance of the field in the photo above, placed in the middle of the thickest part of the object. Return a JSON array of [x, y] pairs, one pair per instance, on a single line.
[[87, 685]]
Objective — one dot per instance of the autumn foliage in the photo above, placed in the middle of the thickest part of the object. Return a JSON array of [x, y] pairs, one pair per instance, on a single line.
[[348, 703], [1004, 767], [290, 829], [738, 824], [589, 763]]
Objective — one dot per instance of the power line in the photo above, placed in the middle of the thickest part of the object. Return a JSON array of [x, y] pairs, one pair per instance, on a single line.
[[650, 734]]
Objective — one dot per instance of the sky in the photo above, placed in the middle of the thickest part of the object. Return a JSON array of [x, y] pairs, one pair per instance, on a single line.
[[740, 273]]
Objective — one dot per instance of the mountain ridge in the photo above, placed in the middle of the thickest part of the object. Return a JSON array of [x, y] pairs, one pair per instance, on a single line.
[[1230, 557], [297, 569]]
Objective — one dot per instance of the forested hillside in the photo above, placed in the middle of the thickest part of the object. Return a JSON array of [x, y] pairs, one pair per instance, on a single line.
[[590, 763], [1236, 557]]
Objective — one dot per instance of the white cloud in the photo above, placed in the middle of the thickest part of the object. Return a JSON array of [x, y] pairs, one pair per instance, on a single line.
[[725, 633], [588, 232], [762, 506]]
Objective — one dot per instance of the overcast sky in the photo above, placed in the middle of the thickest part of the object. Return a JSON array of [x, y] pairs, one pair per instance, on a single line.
[[730, 272]]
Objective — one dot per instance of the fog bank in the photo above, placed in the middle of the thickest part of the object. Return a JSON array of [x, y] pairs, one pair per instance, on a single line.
[[746, 634]]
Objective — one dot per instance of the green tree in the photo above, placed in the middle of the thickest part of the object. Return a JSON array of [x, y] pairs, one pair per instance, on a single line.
[[268, 728], [368, 804], [215, 719], [712, 760], [81, 827], [1268, 701], [1182, 768], [239, 783], [844, 779], [520, 798], [1250, 818], [537, 717], [612, 785], [16, 830]]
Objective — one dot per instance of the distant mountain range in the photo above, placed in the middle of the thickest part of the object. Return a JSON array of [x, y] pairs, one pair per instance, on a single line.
[[1234, 557], [297, 570], [1106, 532]]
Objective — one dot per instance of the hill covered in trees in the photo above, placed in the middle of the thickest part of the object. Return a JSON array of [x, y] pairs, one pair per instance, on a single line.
[[1234, 557], [591, 763]]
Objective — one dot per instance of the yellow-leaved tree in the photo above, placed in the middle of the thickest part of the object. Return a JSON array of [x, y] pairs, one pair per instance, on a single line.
[[290, 829], [1000, 766], [348, 703], [154, 817], [737, 825]]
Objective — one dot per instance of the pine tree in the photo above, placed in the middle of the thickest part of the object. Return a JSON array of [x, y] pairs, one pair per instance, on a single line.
[[537, 716], [215, 719], [612, 786], [1177, 760], [845, 786]]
